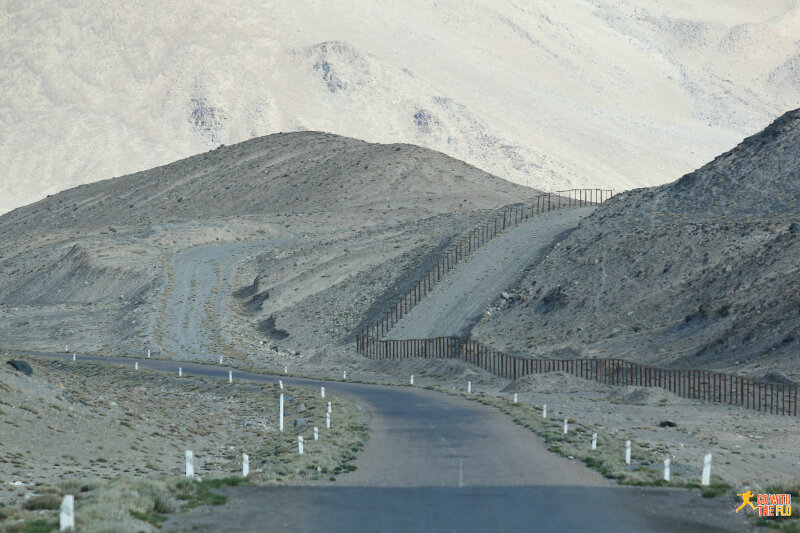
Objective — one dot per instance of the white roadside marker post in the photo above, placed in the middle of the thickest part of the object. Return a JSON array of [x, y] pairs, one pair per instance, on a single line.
[[565, 426], [66, 348], [316, 433], [328, 420], [230, 376], [594, 441], [706, 480], [300, 445], [344, 375], [286, 370], [136, 365], [322, 392], [245, 465], [544, 411], [280, 424], [148, 353], [180, 372], [66, 516], [280, 382], [469, 387], [329, 407], [627, 452], [412, 379], [666, 469], [515, 397], [73, 357], [220, 359], [189, 463]]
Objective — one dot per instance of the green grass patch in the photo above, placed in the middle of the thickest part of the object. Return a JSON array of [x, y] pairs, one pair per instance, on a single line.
[[150, 517], [39, 502], [38, 525], [196, 493]]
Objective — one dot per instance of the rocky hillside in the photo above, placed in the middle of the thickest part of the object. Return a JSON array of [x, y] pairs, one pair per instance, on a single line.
[[703, 272], [322, 221], [283, 174]]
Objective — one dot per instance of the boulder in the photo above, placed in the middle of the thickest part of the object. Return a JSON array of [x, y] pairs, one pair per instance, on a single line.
[[300, 424], [21, 366]]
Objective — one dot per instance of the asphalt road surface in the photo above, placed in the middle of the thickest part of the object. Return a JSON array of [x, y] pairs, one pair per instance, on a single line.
[[440, 463]]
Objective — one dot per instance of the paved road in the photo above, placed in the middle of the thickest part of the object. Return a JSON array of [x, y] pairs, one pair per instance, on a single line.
[[461, 298], [440, 463]]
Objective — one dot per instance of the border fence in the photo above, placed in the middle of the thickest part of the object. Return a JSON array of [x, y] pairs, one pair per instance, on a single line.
[[775, 398], [510, 216]]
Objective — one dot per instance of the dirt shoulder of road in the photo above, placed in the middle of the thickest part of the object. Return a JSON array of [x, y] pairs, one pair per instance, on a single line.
[[749, 448], [103, 432]]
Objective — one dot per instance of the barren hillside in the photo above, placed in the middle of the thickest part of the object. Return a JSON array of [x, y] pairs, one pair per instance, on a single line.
[[552, 95], [703, 272], [317, 224]]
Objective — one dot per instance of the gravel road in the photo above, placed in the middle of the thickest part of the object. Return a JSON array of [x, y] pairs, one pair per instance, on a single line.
[[462, 297], [200, 297], [442, 463]]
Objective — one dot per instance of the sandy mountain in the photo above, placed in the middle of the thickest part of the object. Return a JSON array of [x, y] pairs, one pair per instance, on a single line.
[[552, 95], [703, 272]]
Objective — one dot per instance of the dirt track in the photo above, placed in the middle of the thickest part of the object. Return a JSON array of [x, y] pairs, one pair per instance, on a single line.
[[462, 297]]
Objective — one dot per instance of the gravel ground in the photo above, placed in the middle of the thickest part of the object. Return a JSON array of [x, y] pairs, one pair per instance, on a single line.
[[463, 296], [91, 421]]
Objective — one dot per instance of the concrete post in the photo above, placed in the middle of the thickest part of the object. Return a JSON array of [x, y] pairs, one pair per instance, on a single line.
[[136, 365], [230, 376], [280, 382], [322, 392], [189, 463], [515, 397], [469, 387], [281, 415], [66, 517], [706, 480], [666, 469], [73, 357], [544, 411], [245, 465], [412, 379], [594, 441], [316, 433], [300, 445], [328, 420], [565, 426], [180, 372], [627, 452]]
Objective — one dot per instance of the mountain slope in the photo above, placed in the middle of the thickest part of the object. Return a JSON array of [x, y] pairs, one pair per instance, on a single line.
[[552, 95], [316, 225], [703, 272]]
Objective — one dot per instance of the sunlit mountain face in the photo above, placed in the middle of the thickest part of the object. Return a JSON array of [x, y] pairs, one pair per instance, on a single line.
[[552, 95]]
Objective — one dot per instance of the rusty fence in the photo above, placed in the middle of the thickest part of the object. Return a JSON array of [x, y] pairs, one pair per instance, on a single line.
[[694, 384], [510, 216], [775, 398]]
